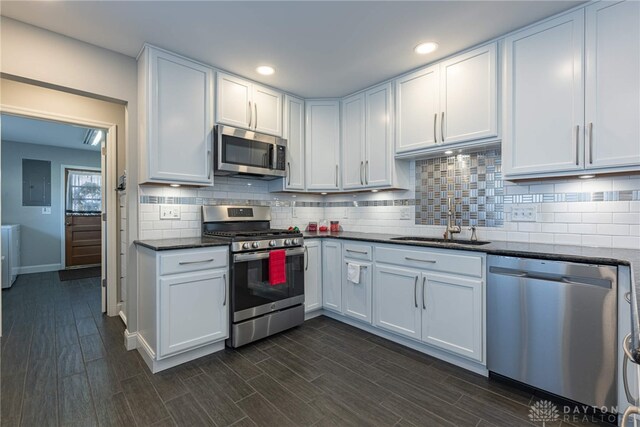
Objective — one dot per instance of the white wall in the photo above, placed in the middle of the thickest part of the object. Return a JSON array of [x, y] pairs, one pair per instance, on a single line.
[[41, 235]]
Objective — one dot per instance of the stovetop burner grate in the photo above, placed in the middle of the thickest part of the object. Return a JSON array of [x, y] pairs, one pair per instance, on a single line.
[[260, 233]]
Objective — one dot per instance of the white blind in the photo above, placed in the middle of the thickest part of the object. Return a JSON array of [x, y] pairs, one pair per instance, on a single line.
[[84, 191]]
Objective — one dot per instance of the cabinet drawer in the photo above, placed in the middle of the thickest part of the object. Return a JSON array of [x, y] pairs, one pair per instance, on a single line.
[[449, 261], [356, 251], [182, 261]]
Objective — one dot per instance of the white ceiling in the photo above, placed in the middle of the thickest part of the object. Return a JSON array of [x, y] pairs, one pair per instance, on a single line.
[[43, 132], [319, 48]]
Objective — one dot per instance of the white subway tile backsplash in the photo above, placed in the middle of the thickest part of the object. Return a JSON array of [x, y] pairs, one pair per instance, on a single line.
[[541, 238], [613, 229], [567, 239], [627, 242], [597, 217], [582, 228], [597, 240], [626, 218], [568, 217], [613, 207]]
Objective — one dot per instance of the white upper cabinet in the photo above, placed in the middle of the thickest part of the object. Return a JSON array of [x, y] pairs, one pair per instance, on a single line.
[[322, 145], [378, 163], [417, 109], [353, 142], [544, 97], [612, 82], [294, 134], [244, 104], [468, 96], [176, 119]]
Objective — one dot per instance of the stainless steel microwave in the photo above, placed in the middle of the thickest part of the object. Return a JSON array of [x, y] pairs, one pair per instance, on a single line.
[[248, 153]]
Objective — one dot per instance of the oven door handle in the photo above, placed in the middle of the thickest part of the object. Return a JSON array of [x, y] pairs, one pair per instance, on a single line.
[[253, 256]]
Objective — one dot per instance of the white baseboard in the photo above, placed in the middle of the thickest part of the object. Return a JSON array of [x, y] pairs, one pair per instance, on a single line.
[[130, 340], [28, 269], [149, 356]]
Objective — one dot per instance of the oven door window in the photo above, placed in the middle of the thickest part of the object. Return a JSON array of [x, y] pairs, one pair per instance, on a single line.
[[251, 286], [246, 152]]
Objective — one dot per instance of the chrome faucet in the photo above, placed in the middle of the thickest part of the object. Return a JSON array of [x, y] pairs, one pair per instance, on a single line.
[[452, 228]]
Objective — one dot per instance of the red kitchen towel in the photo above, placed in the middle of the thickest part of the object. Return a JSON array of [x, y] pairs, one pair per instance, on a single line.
[[277, 267]]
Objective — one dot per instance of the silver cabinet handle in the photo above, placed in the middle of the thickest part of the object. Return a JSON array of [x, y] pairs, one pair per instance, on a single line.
[[357, 252], [431, 261], [435, 125], [306, 258], [442, 127], [224, 278], [577, 145], [336, 176], [361, 167], [415, 290], [424, 305], [209, 166], [255, 121], [250, 114], [627, 296], [366, 174], [288, 173], [591, 143], [196, 262], [631, 410]]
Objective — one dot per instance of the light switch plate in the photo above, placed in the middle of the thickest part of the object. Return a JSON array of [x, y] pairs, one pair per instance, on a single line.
[[46, 210], [524, 214], [169, 212]]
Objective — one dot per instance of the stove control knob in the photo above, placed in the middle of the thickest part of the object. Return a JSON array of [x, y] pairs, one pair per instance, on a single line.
[[245, 246], [255, 245], [272, 243], [287, 242], [296, 241]]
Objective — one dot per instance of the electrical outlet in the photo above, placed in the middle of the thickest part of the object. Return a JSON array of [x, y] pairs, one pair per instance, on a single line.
[[294, 212], [524, 214], [405, 213], [46, 210], [169, 212], [345, 214]]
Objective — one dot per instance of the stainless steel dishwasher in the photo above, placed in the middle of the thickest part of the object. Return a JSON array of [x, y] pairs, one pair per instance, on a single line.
[[552, 325]]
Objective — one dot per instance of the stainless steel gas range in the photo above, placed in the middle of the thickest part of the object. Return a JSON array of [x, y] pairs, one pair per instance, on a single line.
[[258, 308]]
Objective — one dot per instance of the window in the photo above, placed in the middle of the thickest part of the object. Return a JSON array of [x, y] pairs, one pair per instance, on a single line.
[[84, 191]]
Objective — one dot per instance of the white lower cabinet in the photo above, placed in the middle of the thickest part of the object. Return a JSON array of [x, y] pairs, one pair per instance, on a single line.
[[183, 306], [442, 309], [332, 275], [187, 319], [312, 276], [452, 314], [356, 297], [396, 300]]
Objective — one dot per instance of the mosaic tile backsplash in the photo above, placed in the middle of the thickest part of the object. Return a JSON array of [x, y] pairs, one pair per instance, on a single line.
[[472, 181]]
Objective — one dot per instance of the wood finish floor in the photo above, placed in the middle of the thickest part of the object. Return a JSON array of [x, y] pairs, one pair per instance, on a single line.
[[64, 363]]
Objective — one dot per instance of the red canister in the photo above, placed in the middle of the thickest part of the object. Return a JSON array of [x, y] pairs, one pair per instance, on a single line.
[[335, 226]]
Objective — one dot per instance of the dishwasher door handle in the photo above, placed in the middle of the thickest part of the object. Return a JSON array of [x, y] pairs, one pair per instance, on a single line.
[[560, 278]]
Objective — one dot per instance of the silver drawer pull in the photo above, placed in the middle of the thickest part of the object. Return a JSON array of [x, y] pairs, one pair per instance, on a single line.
[[627, 296], [430, 261], [196, 262], [361, 266], [357, 252]]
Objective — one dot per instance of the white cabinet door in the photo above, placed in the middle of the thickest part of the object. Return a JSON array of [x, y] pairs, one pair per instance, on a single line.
[[267, 110], [356, 297], [544, 97], [379, 136], [294, 134], [193, 310], [612, 103], [322, 142], [468, 96], [234, 107], [417, 109], [395, 299], [332, 275], [312, 276], [452, 313], [180, 122], [353, 142]]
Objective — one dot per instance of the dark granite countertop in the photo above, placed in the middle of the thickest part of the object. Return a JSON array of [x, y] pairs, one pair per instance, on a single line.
[[182, 243], [69, 213]]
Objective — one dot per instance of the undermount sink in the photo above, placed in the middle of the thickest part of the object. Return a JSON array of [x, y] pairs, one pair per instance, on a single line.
[[439, 240]]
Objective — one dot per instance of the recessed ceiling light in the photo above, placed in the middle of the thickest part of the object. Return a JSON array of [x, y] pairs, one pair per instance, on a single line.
[[586, 176], [324, 194], [424, 48], [374, 191], [265, 70], [174, 185], [448, 152]]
